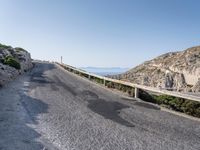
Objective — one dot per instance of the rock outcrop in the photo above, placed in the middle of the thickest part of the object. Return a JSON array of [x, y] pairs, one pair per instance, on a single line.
[[9, 56], [178, 71]]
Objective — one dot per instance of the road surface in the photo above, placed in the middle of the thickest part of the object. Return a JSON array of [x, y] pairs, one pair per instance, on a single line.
[[49, 108]]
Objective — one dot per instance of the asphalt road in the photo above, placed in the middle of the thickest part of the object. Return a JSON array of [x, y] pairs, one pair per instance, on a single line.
[[49, 108]]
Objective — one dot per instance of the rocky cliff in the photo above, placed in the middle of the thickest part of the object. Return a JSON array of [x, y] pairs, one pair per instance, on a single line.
[[178, 71], [13, 62]]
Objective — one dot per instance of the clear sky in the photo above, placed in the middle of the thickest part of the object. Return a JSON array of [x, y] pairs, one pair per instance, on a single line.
[[101, 33]]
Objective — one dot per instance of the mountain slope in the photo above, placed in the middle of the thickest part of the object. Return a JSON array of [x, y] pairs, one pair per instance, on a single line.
[[175, 70]]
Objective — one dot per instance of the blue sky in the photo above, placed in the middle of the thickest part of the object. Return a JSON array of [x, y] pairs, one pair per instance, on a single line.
[[101, 33]]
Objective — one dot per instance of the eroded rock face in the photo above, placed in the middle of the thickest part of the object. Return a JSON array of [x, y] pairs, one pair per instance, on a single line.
[[8, 73], [25, 60], [175, 70], [196, 87]]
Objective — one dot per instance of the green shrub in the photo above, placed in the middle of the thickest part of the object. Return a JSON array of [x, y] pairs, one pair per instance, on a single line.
[[98, 80], [146, 96], [120, 87], [20, 49], [11, 61], [191, 108], [4, 46], [179, 104], [83, 75], [109, 84]]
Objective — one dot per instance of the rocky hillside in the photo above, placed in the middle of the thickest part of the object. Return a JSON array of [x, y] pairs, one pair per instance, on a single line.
[[178, 71], [13, 61]]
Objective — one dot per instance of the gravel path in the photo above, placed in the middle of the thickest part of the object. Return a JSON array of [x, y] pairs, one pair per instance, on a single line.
[[49, 108]]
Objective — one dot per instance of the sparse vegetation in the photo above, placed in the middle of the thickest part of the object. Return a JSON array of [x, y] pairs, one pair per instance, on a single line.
[[18, 49], [4, 46], [97, 80], [178, 104], [121, 87], [11, 61]]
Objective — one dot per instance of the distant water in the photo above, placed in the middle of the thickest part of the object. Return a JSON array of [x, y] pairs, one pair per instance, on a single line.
[[105, 71]]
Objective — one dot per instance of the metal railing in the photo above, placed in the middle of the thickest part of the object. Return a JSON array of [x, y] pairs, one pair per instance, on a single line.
[[135, 86]]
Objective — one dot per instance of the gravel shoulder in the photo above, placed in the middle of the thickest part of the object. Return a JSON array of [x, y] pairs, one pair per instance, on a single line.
[[49, 108]]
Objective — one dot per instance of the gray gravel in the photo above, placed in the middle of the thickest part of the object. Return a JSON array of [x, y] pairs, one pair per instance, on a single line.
[[49, 108]]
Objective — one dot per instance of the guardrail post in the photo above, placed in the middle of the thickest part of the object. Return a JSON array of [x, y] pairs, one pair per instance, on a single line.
[[104, 82], [89, 77], [136, 92]]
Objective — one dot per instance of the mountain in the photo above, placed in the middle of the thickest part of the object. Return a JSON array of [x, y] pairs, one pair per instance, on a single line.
[[178, 71], [104, 70]]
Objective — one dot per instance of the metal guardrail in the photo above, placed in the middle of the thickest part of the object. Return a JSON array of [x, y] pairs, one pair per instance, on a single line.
[[135, 86]]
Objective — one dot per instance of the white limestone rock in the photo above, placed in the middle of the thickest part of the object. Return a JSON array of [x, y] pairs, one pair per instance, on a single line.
[[8, 73], [178, 71], [196, 87]]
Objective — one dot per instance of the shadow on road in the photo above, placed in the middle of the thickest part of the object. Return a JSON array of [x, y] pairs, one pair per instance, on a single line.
[[14, 130], [107, 109], [16, 116], [34, 107], [67, 87], [37, 74]]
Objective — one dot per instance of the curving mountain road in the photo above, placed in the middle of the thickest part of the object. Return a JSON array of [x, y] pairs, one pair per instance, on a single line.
[[49, 108]]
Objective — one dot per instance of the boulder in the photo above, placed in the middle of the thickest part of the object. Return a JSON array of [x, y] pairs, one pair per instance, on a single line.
[[8, 73]]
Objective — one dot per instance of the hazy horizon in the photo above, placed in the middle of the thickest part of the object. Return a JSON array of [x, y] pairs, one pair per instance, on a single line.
[[105, 70], [103, 33]]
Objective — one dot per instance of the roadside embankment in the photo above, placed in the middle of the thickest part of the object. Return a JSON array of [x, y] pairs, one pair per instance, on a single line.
[[13, 62]]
